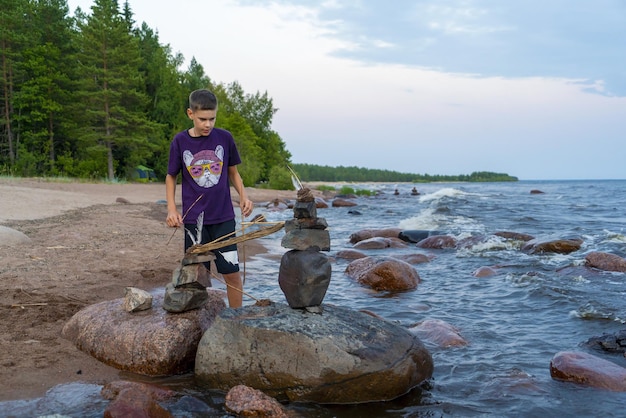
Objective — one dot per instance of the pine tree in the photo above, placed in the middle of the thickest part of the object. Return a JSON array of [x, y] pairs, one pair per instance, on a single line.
[[46, 88], [13, 13], [115, 123]]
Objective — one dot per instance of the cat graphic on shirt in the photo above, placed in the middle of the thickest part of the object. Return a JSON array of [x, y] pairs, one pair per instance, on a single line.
[[205, 167]]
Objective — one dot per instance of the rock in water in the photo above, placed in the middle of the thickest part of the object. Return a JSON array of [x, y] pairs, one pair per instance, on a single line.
[[338, 356]]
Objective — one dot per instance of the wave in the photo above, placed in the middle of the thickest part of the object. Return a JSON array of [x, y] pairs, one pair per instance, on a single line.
[[430, 219], [448, 192]]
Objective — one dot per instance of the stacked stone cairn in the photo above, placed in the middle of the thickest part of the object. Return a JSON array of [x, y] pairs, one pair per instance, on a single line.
[[305, 272], [187, 290]]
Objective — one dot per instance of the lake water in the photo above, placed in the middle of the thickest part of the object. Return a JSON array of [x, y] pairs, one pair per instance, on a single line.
[[515, 321]]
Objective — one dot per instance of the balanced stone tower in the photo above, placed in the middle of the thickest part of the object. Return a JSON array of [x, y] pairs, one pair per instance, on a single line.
[[305, 272]]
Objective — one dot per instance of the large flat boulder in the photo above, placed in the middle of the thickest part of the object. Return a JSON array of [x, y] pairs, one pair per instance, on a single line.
[[153, 342], [338, 356]]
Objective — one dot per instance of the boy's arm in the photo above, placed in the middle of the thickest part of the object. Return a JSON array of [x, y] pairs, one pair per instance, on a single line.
[[174, 217], [245, 204]]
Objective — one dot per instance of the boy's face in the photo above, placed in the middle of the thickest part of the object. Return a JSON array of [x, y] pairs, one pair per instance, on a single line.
[[203, 121]]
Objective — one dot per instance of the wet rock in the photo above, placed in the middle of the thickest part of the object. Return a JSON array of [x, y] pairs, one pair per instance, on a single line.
[[370, 233], [588, 370], [470, 242], [374, 243], [136, 299], [111, 390], [606, 261], [133, 402], [249, 402], [350, 254], [414, 258], [559, 246], [342, 203], [304, 277], [484, 272], [612, 343], [152, 342], [516, 236], [439, 333], [416, 235], [338, 356], [277, 205], [536, 191], [438, 242], [383, 273], [320, 203]]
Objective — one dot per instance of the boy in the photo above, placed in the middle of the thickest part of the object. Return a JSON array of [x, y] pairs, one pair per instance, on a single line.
[[208, 158]]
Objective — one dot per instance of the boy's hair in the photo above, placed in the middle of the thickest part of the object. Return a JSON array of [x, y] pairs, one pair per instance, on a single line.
[[202, 99]]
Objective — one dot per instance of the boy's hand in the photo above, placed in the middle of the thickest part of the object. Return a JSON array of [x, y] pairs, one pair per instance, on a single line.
[[246, 207], [174, 219]]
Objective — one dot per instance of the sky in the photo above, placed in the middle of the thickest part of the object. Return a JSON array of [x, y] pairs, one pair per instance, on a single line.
[[534, 89]]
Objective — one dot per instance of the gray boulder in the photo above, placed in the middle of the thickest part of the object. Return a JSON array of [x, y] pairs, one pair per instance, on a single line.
[[9, 237], [152, 342], [304, 277], [338, 356]]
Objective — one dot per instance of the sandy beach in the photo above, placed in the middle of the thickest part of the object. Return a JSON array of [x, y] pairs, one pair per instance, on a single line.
[[82, 243]]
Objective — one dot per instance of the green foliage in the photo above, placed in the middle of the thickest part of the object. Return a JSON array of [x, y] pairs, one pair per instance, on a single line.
[[311, 172], [93, 166], [347, 190], [93, 96], [324, 187], [280, 178]]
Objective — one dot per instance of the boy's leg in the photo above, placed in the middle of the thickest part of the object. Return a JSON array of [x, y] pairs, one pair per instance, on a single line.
[[234, 289], [227, 263]]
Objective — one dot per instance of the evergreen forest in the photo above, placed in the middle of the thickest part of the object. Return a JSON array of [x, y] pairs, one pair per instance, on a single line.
[[96, 95]]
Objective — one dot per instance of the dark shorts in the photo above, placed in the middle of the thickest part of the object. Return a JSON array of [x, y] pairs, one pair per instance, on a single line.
[[226, 258]]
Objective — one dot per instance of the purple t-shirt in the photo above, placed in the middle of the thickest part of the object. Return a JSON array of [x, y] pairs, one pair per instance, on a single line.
[[204, 163]]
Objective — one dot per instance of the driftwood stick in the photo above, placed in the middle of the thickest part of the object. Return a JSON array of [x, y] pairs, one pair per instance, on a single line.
[[184, 216], [22, 305]]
